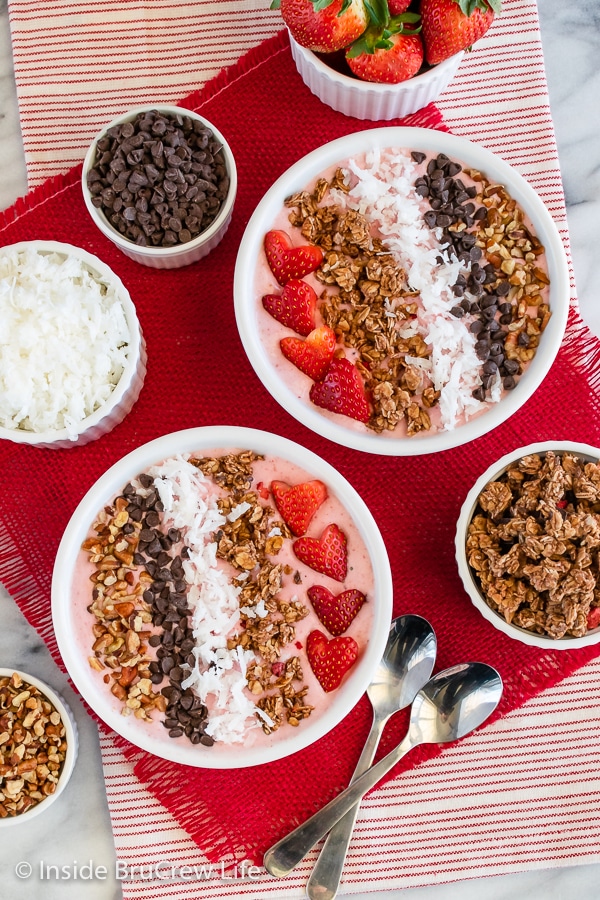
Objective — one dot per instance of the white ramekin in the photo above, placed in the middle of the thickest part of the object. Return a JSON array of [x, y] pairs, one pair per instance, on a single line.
[[181, 254], [366, 100], [126, 391], [72, 739], [591, 454]]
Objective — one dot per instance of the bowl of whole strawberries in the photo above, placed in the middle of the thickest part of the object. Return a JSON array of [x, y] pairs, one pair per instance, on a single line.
[[383, 59]]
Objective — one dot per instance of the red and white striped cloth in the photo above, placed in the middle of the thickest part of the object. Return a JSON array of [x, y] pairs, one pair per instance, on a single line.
[[520, 794]]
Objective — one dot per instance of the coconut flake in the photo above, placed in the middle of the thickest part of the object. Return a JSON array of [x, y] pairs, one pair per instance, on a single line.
[[64, 341]]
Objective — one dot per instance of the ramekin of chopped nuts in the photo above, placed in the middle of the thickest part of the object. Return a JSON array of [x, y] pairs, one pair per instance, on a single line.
[[38, 746], [527, 545]]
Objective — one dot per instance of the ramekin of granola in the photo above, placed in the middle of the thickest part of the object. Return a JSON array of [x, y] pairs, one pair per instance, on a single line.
[[527, 545], [221, 597], [392, 289]]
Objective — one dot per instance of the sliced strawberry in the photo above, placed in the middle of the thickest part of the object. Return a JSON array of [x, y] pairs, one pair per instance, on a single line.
[[295, 307], [299, 503], [330, 659], [450, 26], [342, 391], [336, 613], [313, 355], [326, 554], [324, 26], [288, 262], [593, 618]]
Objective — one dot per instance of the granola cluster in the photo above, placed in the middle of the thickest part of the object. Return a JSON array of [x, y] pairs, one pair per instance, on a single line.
[[33, 746], [252, 535], [370, 309], [533, 544]]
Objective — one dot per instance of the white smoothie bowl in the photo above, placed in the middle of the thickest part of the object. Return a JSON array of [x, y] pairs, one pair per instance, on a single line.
[[33, 391], [470, 581], [181, 253], [68, 740], [73, 623], [268, 361]]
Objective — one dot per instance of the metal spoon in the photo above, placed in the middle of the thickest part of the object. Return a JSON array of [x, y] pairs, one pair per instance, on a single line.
[[405, 667], [453, 703]]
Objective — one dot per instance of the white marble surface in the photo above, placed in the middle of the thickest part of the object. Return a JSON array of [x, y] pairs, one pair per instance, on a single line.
[[78, 827]]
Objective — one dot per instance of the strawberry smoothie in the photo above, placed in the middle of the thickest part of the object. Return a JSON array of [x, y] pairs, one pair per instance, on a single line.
[[194, 603], [432, 280]]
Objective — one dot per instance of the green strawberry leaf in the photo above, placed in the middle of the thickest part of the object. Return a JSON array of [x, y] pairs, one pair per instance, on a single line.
[[378, 12], [468, 7], [275, 4], [323, 4]]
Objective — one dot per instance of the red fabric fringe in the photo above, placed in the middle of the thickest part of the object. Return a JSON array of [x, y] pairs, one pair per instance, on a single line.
[[198, 375]]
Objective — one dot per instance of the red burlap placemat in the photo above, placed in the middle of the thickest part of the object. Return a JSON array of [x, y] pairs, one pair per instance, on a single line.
[[198, 375]]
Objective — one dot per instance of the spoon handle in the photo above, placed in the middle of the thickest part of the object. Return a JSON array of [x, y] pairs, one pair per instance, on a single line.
[[325, 877], [285, 855]]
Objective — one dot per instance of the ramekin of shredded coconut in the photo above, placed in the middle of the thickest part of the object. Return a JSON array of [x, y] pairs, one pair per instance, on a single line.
[[72, 354]]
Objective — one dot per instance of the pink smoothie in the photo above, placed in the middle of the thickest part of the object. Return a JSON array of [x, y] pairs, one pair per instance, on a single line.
[[453, 366], [295, 583]]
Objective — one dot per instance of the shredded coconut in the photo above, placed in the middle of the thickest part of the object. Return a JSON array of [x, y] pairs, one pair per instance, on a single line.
[[63, 341], [219, 674], [384, 194]]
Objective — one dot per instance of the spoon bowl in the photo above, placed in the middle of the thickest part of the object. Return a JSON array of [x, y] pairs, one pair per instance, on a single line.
[[452, 704], [405, 666]]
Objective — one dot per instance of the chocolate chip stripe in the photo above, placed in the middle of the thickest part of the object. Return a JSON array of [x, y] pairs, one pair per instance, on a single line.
[[502, 297]]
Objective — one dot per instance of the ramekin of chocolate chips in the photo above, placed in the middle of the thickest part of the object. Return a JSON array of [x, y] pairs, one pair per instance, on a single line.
[[38, 746], [527, 545], [160, 182]]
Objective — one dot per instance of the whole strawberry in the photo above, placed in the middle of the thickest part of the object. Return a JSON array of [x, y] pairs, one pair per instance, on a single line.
[[450, 26], [386, 55], [397, 7], [324, 26]]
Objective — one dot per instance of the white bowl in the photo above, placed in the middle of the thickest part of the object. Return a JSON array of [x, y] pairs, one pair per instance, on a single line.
[[494, 472], [126, 391], [72, 631], [181, 254], [367, 100], [71, 736], [250, 313]]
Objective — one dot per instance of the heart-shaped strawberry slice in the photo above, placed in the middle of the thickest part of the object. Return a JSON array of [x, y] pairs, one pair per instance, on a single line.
[[327, 554], [286, 261], [336, 613], [299, 503], [342, 391], [294, 307], [330, 659], [313, 355]]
